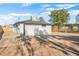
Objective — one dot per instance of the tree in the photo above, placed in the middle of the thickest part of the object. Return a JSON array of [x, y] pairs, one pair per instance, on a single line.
[[59, 17], [71, 27], [41, 19]]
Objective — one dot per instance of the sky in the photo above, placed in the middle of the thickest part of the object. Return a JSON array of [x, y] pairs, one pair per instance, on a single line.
[[13, 12]]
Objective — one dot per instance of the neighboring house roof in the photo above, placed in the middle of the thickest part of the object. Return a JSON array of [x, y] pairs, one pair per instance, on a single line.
[[38, 22], [69, 24]]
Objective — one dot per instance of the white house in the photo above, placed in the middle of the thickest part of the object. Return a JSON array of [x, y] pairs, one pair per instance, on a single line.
[[32, 27]]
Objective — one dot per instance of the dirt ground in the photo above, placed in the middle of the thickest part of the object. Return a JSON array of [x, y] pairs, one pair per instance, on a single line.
[[57, 44]]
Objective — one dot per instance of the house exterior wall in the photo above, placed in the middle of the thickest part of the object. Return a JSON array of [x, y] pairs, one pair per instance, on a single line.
[[16, 29], [21, 29], [66, 28], [34, 29], [76, 28], [48, 29]]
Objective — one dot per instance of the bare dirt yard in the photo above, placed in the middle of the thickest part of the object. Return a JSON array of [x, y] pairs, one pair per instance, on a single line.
[[57, 44]]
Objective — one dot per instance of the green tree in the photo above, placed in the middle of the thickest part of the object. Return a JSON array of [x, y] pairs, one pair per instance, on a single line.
[[41, 19], [71, 27], [59, 17]]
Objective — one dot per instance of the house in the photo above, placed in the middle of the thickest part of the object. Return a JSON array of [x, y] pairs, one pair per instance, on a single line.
[[32, 27], [75, 27], [66, 28]]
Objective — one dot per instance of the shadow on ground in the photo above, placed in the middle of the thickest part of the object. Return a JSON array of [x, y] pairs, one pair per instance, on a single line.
[[74, 39], [65, 49]]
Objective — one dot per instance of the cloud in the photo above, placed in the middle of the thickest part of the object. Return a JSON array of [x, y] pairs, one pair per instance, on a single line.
[[49, 9], [45, 5], [26, 4], [6, 19], [45, 13], [24, 14], [12, 17], [65, 6], [73, 14], [2, 22]]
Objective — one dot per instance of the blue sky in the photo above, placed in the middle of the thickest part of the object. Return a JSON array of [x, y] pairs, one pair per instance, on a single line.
[[12, 12]]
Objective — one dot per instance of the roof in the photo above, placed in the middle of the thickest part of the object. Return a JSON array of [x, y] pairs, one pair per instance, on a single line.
[[71, 24], [31, 22]]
